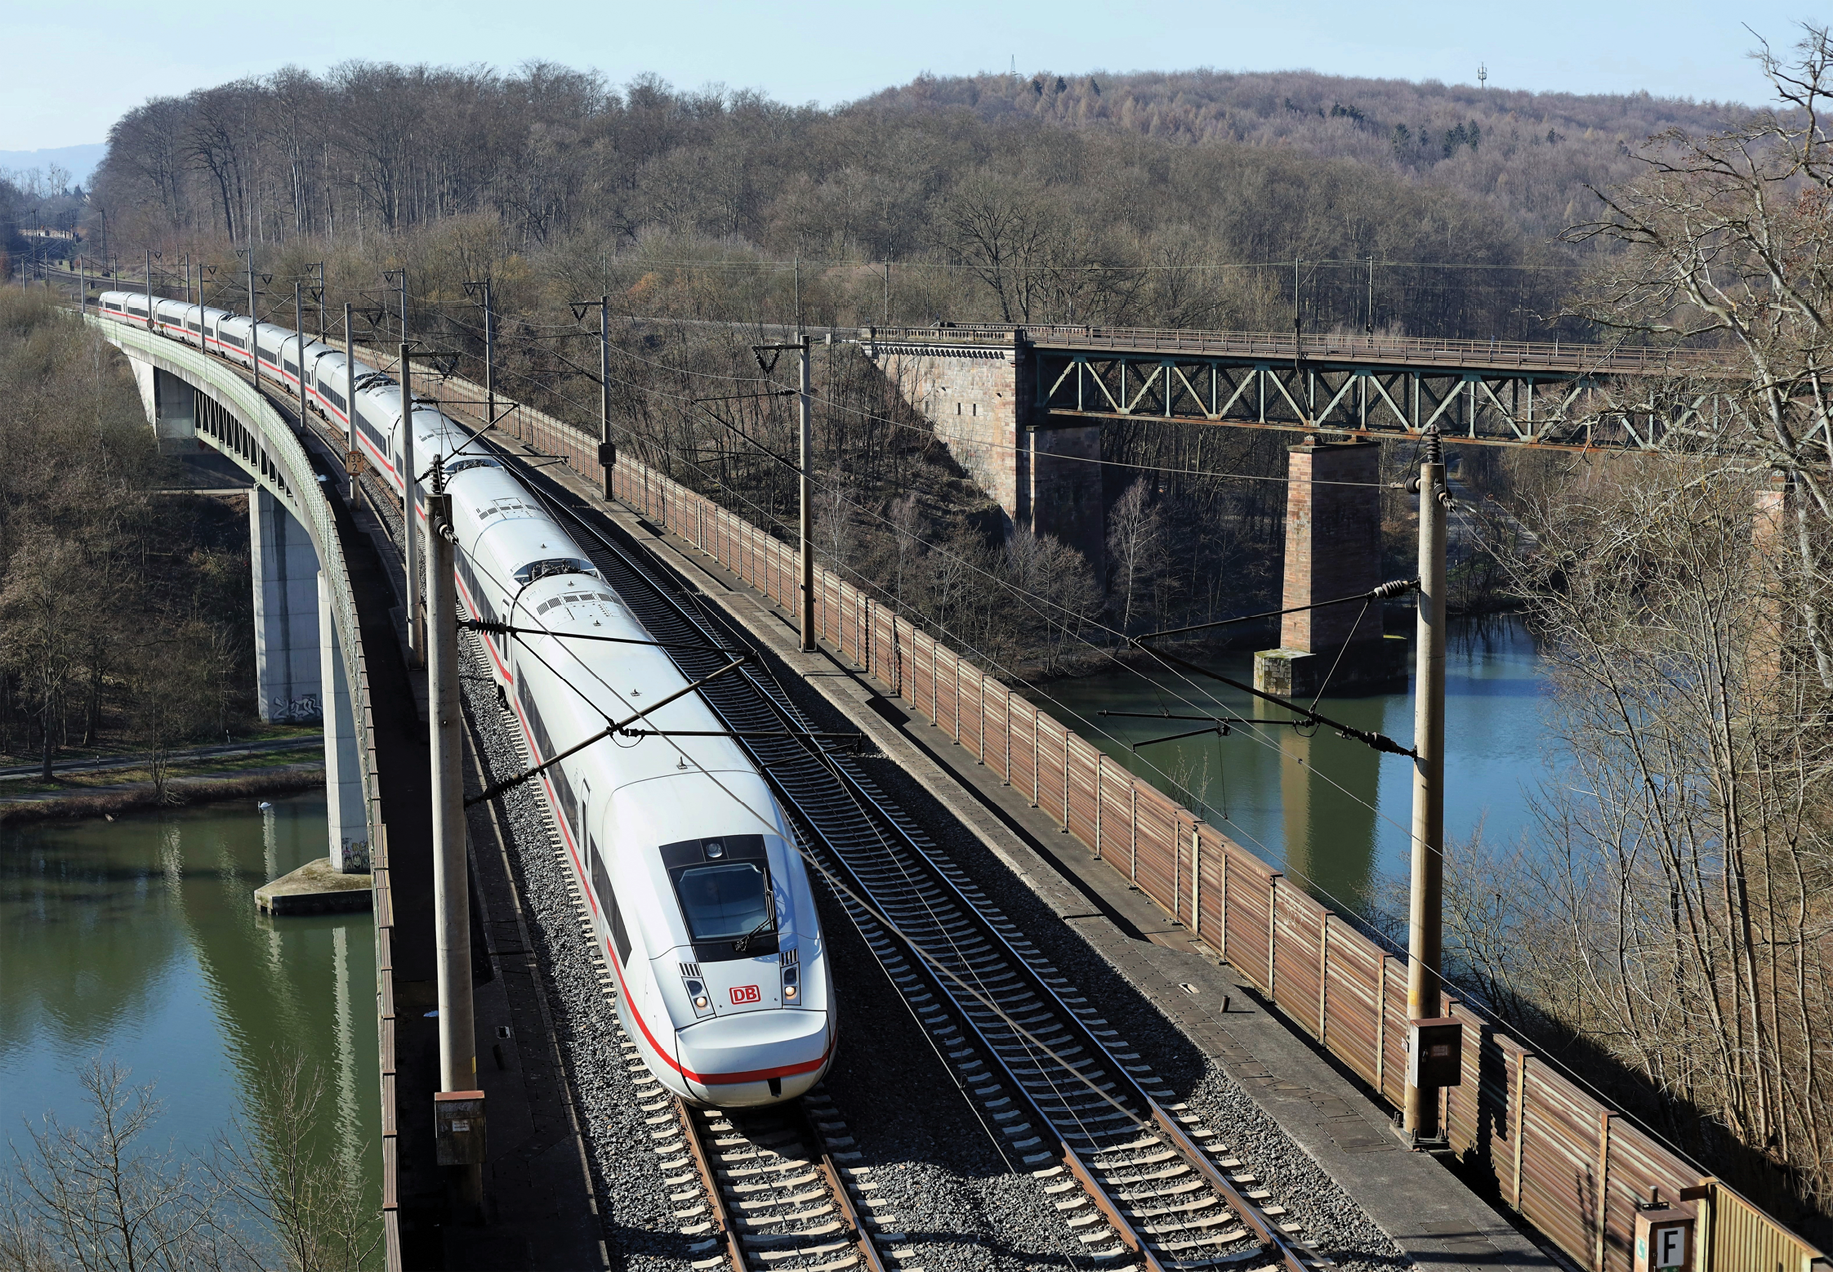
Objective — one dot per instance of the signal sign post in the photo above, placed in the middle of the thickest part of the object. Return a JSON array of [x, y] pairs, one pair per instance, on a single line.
[[1665, 1239]]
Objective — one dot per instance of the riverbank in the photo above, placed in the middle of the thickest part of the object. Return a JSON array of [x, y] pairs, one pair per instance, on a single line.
[[120, 797]]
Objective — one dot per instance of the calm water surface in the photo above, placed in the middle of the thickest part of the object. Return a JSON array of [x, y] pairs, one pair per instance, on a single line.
[[1333, 813], [137, 941]]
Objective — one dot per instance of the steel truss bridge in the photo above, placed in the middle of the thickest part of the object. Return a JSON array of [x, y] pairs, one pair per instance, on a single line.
[[1567, 396]]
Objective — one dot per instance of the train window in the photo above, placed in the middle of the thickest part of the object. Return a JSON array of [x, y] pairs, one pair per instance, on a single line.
[[601, 878], [725, 901], [459, 466], [607, 899]]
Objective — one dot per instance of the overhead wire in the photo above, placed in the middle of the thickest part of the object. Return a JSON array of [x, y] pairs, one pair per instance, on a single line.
[[936, 430]]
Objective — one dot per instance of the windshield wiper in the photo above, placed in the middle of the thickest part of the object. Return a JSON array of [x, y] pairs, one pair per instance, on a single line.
[[768, 924]]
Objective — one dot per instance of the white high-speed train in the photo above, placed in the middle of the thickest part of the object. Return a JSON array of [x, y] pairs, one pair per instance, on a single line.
[[701, 903]]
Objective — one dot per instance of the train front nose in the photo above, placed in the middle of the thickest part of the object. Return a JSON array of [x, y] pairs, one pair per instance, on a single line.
[[755, 1057]]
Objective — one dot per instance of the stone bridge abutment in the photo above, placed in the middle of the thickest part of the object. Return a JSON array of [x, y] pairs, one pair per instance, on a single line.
[[978, 397]]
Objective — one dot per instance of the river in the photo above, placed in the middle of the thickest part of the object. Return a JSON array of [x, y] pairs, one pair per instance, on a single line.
[[137, 941], [1332, 812]]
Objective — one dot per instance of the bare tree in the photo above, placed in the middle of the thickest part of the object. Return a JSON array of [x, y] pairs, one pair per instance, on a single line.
[[277, 1162], [1136, 550], [1728, 240], [44, 609], [1679, 920], [95, 1198]]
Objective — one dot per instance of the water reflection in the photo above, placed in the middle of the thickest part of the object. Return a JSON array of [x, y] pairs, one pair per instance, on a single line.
[[138, 940], [1331, 812]]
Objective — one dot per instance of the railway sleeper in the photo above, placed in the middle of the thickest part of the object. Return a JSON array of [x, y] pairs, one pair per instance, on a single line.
[[1208, 1201], [774, 1254], [774, 1185], [794, 1199]]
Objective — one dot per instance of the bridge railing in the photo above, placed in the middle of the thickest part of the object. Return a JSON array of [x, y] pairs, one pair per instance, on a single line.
[[1571, 1165], [1558, 357], [286, 471]]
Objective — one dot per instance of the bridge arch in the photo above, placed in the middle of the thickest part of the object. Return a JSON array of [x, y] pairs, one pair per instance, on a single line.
[[308, 644]]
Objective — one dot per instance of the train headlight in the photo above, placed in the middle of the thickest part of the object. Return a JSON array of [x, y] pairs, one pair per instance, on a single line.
[[791, 975], [696, 990], [701, 1003]]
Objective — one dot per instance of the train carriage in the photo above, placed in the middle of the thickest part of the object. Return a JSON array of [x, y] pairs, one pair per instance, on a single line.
[[699, 896]]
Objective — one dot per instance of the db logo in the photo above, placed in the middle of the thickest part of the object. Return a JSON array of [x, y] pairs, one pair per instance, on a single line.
[[744, 994]]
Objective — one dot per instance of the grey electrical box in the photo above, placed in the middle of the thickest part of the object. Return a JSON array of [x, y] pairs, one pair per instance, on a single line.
[[458, 1127], [1435, 1052]]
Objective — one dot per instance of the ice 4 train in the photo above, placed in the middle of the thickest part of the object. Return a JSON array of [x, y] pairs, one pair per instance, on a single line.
[[699, 898]]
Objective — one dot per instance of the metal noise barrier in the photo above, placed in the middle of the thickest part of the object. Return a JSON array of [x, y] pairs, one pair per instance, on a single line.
[[284, 470], [1574, 1168]]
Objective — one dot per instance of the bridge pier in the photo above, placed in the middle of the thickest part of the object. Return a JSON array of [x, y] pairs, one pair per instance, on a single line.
[[288, 676], [1062, 493], [346, 819], [1333, 548], [171, 403]]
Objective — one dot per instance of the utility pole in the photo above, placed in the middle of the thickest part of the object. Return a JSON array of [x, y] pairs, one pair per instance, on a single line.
[[298, 353], [451, 889], [472, 288], [1425, 910], [1298, 324], [149, 290], [807, 517], [410, 512], [350, 451], [607, 452], [82, 289], [887, 293], [318, 293], [254, 319], [1371, 297]]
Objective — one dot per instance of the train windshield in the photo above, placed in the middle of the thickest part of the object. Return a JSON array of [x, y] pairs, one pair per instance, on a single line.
[[727, 901]]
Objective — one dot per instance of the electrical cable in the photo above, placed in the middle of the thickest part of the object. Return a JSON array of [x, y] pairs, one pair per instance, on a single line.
[[936, 430]]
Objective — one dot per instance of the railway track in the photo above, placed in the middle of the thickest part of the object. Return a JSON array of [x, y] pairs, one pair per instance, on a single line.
[[1137, 1175], [753, 1190]]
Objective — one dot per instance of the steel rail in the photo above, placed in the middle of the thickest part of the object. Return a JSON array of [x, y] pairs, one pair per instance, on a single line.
[[745, 1239], [709, 1183], [843, 1198]]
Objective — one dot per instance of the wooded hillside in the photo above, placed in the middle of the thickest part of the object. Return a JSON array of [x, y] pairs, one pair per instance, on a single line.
[[1166, 204], [1530, 155]]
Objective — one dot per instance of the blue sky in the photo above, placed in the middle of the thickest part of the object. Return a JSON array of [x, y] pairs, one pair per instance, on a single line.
[[75, 68]]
